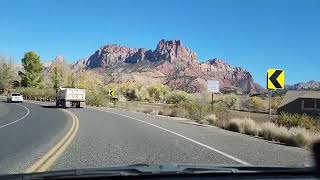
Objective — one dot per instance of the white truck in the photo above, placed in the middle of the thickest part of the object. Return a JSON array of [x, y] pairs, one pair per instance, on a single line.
[[70, 97]]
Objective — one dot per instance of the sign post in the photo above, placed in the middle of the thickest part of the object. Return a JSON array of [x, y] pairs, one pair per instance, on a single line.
[[275, 80], [213, 87], [270, 96], [212, 100]]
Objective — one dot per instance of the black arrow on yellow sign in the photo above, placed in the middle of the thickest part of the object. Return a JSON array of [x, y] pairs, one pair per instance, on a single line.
[[274, 80], [111, 93]]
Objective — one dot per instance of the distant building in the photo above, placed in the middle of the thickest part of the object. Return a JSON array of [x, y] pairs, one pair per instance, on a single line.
[[301, 102]]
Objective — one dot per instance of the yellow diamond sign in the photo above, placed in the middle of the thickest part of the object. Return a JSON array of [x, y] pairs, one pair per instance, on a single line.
[[275, 79]]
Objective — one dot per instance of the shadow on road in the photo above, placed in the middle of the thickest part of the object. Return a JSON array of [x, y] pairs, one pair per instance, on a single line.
[[49, 106], [55, 107]]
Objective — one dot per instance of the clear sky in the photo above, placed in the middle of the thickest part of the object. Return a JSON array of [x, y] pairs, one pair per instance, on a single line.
[[253, 34]]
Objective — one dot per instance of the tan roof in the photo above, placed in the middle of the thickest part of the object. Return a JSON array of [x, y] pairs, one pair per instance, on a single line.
[[293, 95]]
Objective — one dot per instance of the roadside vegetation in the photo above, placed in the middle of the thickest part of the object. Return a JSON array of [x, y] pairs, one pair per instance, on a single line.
[[285, 133], [34, 84]]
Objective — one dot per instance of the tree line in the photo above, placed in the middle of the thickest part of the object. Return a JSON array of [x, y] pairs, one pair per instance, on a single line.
[[34, 81], [32, 75]]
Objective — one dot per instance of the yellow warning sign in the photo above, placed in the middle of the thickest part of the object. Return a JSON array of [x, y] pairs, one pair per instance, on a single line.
[[275, 79], [111, 93]]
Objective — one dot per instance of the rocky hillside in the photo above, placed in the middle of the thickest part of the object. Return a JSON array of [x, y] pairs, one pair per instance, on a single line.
[[170, 63], [310, 85]]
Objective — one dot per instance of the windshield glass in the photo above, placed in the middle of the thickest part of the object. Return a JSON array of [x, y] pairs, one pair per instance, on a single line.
[[114, 83]]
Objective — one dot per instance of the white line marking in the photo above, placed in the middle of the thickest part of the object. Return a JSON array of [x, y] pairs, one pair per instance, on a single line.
[[189, 139], [28, 111]]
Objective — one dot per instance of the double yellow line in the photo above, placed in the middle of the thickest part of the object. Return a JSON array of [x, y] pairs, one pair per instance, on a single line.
[[46, 161]]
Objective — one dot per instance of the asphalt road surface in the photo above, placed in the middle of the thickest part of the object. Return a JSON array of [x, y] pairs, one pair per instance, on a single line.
[[109, 137], [27, 132]]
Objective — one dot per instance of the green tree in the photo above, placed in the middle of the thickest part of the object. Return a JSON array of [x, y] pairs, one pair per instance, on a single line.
[[71, 80], [56, 76], [32, 75], [6, 74]]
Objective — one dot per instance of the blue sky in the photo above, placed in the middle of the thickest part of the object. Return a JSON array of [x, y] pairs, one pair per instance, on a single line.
[[253, 34]]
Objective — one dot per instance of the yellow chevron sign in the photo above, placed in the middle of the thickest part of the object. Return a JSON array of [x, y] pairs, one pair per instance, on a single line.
[[275, 79], [111, 93]]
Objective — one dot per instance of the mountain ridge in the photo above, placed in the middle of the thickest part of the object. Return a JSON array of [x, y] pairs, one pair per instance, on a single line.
[[169, 63], [309, 85]]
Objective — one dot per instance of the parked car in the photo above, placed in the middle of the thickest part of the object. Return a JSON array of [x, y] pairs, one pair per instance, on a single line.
[[14, 97]]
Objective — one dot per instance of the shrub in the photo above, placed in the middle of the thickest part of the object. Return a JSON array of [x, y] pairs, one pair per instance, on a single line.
[[145, 110], [165, 111], [268, 131], [176, 97], [158, 91], [32, 93], [203, 121], [245, 126], [154, 112], [179, 112], [276, 101], [225, 101], [233, 125], [95, 98], [296, 120], [249, 127], [212, 119], [142, 94], [302, 137], [196, 111], [272, 132], [256, 103]]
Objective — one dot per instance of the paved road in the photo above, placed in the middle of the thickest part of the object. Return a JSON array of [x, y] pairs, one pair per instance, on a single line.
[[120, 138], [110, 137], [27, 132]]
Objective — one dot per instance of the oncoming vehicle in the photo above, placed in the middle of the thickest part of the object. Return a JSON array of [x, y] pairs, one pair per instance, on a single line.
[[14, 97]]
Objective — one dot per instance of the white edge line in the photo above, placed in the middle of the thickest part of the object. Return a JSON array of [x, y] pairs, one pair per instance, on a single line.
[[184, 137], [28, 111], [189, 139]]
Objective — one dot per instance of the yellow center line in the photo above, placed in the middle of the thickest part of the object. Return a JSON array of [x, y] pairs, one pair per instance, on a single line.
[[46, 161]]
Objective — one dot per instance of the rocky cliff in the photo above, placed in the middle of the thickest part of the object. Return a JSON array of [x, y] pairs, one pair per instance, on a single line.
[[170, 63], [310, 85]]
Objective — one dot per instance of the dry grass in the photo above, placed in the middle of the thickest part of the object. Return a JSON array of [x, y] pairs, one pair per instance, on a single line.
[[294, 136], [179, 112], [245, 126], [272, 132], [296, 120], [165, 111], [233, 125], [212, 119], [297, 136], [249, 127], [302, 137]]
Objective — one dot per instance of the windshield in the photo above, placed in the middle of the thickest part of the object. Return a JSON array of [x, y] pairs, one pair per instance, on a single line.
[[114, 83]]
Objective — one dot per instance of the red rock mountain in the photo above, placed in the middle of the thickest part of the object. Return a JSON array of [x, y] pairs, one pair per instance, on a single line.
[[310, 85], [170, 63]]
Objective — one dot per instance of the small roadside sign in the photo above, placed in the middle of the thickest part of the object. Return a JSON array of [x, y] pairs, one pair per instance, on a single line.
[[213, 86], [275, 79], [111, 93]]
